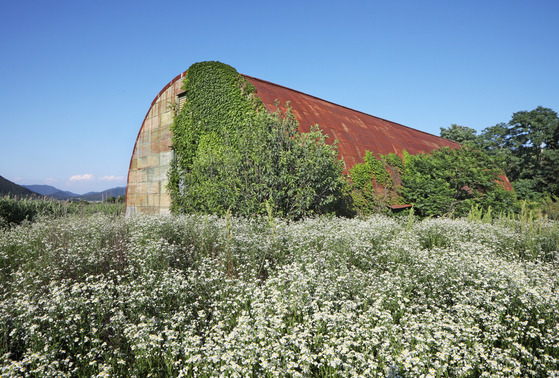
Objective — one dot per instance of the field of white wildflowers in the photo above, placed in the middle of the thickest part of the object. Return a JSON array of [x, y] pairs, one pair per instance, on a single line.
[[200, 296]]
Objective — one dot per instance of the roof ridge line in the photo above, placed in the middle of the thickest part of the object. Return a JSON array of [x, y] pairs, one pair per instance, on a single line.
[[342, 106]]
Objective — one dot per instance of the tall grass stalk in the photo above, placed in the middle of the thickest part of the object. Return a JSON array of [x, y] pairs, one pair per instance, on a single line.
[[15, 210]]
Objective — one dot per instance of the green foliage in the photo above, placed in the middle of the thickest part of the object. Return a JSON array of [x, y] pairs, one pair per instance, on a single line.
[[452, 181], [363, 195], [477, 214], [535, 238], [14, 211], [395, 163], [299, 174], [533, 138], [373, 182], [526, 189], [378, 169], [550, 206], [460, 134], [527, 149], [219, 106], [430, 196], [232, 154]]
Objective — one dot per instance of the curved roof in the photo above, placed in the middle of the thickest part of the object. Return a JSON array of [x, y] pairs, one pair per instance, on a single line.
[[357, 132]]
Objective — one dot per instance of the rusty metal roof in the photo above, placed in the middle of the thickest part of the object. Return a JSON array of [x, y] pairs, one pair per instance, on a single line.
[[357, 132]]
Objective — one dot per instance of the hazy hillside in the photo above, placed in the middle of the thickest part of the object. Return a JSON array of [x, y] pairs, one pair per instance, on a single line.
[[9, 188], [100, 196], [53, 192], [63, 195], [47, 190]]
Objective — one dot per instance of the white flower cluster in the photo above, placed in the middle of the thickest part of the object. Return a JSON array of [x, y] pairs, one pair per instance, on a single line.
[[204, 296]]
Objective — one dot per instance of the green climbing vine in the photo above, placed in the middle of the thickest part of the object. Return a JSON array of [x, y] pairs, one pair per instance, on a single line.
[[444, 181], [220, 103], [232, 155], [372, 185]]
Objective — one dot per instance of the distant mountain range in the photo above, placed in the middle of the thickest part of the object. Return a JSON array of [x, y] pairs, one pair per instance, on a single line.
[[8, 188], [100, 196], [52, 192]]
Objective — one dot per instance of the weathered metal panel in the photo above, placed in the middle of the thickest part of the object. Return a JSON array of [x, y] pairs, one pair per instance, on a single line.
[[356, 131]]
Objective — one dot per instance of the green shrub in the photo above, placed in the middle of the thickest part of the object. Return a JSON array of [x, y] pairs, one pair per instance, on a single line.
[[14, 211], [445, 181], [452, 181], [230, 153], [373, 185]]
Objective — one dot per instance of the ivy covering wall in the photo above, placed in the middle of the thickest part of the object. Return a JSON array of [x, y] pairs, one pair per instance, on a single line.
[[231, 154], [444, 181], [374, 183]]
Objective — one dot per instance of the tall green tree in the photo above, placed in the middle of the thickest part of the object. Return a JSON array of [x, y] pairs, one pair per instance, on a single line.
[[493, 140], [527, 150], [533, 140], [460, 134]]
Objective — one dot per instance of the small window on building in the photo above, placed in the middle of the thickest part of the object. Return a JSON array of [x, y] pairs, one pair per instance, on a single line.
[[181, 99]]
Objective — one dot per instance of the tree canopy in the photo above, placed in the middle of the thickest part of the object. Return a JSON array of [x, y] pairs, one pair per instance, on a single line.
[[526, 148], [533, 141], [458, 133]]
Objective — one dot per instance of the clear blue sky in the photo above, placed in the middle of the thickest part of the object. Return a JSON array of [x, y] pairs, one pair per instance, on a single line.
[[77, 77]]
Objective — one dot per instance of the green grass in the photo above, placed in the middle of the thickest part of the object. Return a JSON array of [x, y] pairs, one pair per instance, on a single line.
[[14, 211]]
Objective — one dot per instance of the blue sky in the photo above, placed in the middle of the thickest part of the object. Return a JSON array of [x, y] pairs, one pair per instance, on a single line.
[[77, 77]]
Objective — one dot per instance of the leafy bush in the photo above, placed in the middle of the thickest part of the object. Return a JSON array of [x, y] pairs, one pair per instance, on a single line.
[[373, 183], [452, 181], [230, 153], [445, 181]]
